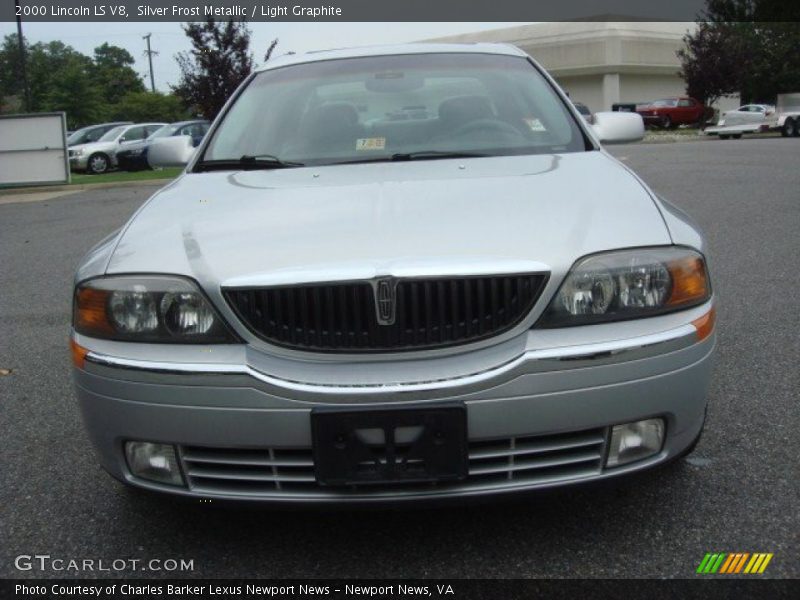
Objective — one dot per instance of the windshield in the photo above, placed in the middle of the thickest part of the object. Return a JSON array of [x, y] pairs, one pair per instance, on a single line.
[[373, 108], [85, 135], [113, 134], [665, 102], [78, 137]]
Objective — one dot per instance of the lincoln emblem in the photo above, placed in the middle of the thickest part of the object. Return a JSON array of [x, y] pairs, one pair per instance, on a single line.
[[384, 301]]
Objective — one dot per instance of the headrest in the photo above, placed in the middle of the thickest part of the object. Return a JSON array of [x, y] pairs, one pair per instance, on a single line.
[[335, 113], [463, 109]]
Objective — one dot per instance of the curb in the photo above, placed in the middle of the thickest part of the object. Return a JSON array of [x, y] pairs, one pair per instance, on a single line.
[[81, 187]]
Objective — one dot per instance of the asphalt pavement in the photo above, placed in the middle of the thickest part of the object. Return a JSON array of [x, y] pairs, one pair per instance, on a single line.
[[739, 491]]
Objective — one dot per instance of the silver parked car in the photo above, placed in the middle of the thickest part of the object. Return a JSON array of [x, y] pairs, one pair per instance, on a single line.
[[92, 133], [333, 305], [100, 156]]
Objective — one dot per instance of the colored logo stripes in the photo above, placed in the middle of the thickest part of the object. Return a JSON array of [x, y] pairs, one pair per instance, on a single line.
[[734, 562]]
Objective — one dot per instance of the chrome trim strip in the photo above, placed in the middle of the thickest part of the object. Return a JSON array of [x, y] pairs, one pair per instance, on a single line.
[[686, 333], [370, 271]]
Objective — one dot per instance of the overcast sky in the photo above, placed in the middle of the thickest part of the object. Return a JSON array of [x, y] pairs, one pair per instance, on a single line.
[[168, 38]]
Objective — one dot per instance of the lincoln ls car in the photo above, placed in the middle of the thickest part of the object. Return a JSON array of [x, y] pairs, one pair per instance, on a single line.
[[335, 305]]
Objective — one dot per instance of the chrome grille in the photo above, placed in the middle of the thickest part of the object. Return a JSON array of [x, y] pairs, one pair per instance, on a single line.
[[493, 464], [411, 313]]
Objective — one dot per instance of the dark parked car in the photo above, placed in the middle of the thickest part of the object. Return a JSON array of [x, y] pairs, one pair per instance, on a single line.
[[134, 157], [92, 133], [671, 112]]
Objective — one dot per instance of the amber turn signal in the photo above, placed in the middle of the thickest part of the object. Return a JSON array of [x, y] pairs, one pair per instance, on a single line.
[[78, 354], [705, 324], [689, 281], [90, 311]]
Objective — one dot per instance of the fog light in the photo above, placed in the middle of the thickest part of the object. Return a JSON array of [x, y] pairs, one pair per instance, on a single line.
[[154, 462], [635, 441]]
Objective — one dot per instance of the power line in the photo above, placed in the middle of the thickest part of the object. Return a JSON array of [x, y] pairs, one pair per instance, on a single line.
[[149, 54]]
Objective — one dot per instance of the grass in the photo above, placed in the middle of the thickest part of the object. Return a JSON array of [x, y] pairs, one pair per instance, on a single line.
[[120, 176]]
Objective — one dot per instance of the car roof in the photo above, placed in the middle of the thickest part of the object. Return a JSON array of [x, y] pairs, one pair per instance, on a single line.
[[109, 124], [395, 49]]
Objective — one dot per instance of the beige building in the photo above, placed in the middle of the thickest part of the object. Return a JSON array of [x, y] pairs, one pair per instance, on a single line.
[[600, 63]]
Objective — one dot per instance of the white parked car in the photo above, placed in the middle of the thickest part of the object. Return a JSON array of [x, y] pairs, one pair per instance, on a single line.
[[749, 113], [100, 156]]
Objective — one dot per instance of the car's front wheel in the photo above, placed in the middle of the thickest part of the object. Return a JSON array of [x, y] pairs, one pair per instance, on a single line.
[[666, 122], [97, 163]]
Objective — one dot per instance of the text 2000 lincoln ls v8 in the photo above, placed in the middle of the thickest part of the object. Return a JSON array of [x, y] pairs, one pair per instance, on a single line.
[[391, 274]]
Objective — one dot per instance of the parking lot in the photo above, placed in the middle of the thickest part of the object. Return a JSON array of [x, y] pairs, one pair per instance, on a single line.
[[737, 492]]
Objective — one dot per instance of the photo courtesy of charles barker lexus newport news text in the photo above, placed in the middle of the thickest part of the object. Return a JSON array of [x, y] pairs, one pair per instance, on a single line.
[[356, 299]]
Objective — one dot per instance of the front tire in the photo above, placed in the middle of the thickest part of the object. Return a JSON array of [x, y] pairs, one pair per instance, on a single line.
[[737, 136], [98, 163], [666, 123]]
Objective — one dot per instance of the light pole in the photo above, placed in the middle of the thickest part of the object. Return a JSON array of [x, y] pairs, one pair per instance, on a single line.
[[150, 61], [22, 60]]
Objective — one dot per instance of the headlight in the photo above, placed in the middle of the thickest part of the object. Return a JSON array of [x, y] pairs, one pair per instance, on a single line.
[[75, 152], [627, 284], [147, 309]]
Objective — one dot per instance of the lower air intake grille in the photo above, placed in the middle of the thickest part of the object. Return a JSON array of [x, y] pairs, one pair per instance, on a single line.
[[493, 465], [387, 315]]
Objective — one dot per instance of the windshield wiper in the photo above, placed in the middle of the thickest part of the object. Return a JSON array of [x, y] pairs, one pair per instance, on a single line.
[[418, 155], [247, 162], [433, 154]]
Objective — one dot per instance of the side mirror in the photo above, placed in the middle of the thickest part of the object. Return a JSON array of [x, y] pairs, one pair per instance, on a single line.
[[175, 151], [618, 127]]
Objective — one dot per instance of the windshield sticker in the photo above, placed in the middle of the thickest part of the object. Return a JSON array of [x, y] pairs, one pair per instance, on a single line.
[[377, 143], [534, 124]]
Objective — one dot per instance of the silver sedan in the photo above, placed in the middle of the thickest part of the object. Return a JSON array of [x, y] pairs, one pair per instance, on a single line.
[[395, 274]]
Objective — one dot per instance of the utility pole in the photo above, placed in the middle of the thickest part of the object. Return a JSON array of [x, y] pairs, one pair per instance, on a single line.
[[22, 60], [150, 61]]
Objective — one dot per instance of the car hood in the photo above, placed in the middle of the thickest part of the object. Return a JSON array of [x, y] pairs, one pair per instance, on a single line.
[[94, 147], [503, 214]]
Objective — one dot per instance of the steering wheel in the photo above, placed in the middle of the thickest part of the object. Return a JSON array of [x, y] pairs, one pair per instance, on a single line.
[[486, 125]]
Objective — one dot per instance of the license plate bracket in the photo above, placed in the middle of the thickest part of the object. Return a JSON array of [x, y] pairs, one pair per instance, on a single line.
[[389, 445]]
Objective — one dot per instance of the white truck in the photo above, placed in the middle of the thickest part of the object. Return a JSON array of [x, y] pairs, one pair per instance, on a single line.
[[759, 118]]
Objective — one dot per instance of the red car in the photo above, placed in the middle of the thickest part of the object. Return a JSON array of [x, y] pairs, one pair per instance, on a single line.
[[671, 112]]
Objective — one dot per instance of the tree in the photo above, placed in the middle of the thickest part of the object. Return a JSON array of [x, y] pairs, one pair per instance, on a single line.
[[77, 95], [747, 47], [113, 71], [11, 91], [219, 61], [150, 106], [710, 62]]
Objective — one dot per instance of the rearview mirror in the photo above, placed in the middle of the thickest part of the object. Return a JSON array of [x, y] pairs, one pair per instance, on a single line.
[[175, 151], [618, 127]]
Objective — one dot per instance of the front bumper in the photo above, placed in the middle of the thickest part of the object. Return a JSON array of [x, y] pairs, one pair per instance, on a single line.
[[78, 163], [538, 421], [652, 119]]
